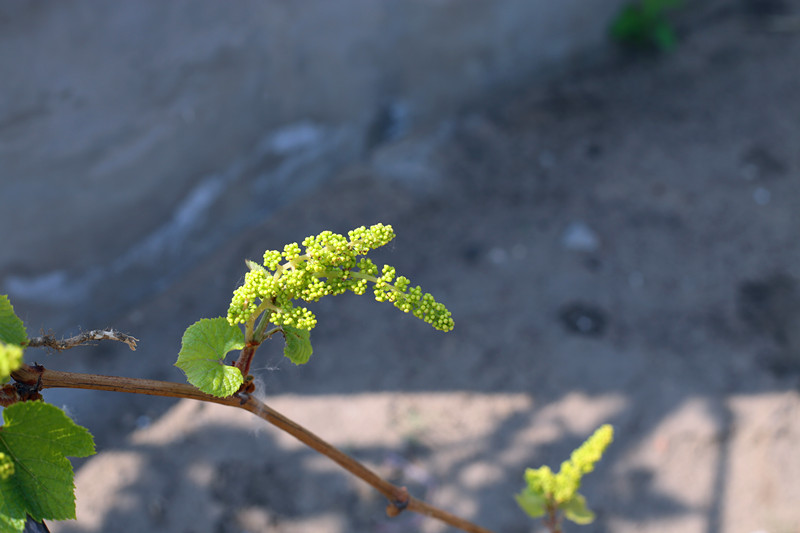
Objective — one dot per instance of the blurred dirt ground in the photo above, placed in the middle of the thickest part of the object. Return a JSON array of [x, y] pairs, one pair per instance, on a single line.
[[617, 247]]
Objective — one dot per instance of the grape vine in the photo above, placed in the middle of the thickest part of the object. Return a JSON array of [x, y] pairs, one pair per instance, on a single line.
[[36, 439], [327, 264]]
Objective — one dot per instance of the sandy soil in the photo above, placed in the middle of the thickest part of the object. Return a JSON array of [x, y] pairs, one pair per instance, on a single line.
[[617, 247]]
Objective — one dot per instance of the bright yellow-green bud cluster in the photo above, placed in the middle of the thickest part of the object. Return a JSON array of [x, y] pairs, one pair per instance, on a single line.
[[581, 462], [6, 466], [10, 359], [414, 301], [548, 492], [329, 265], [563, 486]]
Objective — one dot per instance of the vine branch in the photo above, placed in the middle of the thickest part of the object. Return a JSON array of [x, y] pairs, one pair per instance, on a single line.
[[399, 498]]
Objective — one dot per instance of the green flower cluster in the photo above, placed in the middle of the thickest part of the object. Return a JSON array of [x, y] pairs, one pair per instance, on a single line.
[[6, 466], [330, 265], [10, 359], [566, 483], [546, 489]]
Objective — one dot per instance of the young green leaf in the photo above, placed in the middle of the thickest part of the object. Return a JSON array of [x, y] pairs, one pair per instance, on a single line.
[[575, 509], [38, 437], [298, 344], [252, 265], [12, 330], [202, 357], [532, 503]]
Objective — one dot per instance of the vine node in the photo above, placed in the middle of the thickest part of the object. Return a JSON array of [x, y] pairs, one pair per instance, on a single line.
[[399, 503]]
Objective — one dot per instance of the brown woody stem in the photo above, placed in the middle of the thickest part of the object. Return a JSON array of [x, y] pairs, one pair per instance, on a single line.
[[552, 522], [399, 499], [246, 357]]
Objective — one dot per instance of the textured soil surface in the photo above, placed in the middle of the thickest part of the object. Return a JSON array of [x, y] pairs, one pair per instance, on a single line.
[[620, 246]]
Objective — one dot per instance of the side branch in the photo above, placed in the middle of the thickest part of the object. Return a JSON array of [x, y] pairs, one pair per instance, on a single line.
[[399, 499], [50, 341]]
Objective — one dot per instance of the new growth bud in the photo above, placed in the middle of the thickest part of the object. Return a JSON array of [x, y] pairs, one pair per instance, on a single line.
[[548, 492]]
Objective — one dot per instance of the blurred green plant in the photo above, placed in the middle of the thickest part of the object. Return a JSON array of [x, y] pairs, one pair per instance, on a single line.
[[549, 494], [644, 25]]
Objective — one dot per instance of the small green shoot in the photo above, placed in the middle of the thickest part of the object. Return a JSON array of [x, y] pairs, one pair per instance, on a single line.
[[549, 494]]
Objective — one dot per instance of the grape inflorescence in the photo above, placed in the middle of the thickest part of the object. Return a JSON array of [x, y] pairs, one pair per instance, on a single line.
[[548, 492], [6, 466], [10, 359], [330, 265]]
